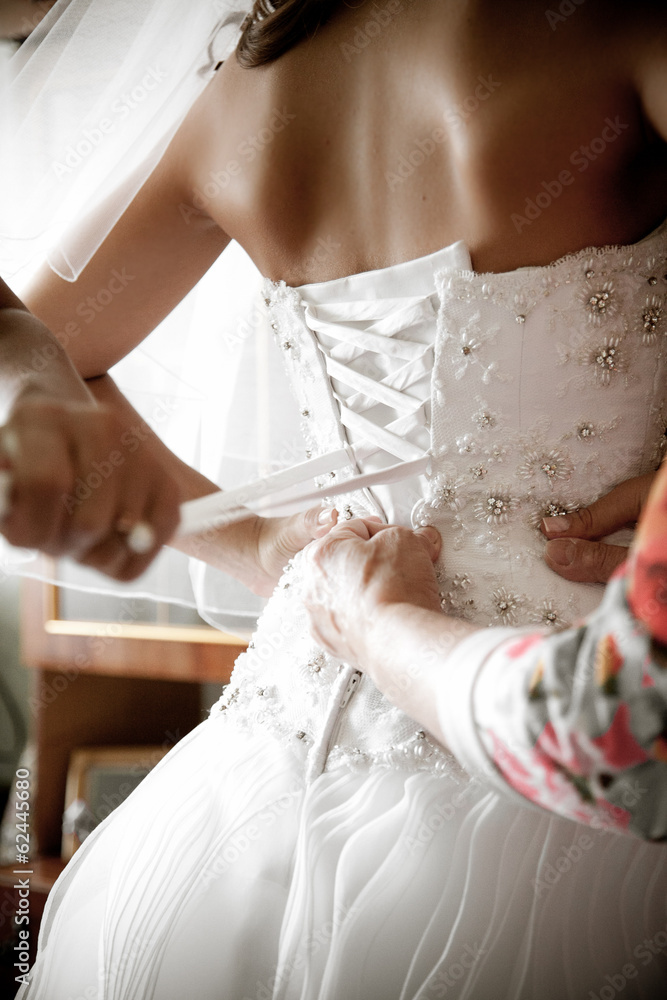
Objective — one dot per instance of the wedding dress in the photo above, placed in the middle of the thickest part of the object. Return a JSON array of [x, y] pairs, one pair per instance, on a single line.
[[309, 840]]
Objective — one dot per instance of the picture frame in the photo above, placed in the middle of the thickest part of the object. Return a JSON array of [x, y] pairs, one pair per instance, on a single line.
[[98, 780]]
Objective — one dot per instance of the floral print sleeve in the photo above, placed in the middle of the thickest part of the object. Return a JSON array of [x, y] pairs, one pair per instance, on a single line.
[[577, 722]]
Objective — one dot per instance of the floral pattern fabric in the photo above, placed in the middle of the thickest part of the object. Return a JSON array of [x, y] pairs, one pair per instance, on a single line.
[[577, 722]]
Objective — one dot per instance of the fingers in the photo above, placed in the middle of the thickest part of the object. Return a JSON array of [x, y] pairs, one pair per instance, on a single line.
[[102, 523], [367, 527], [313, 523], [148, 512], [573, 550], [318, 521], [375, 524], [647, 578], [5, 491], [67, 488], [35, 485], [583, 561], [363, 528], [94, 506], [622, 506], [432, 538]]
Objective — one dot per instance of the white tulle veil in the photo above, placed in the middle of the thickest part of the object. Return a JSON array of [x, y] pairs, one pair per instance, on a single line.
[[92, 101], [97, 92]]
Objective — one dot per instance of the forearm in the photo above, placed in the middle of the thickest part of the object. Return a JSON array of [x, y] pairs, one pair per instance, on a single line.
[[572, 722], [407, 659], [575, 721], [32, 360]]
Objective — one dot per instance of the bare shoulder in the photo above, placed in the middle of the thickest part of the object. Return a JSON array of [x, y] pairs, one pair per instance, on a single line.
[[627, 44], [632, 38], [649, 34]]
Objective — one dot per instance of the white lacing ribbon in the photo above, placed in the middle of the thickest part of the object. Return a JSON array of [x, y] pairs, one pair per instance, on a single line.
[[266, 496], [387, 319], [341, 345]]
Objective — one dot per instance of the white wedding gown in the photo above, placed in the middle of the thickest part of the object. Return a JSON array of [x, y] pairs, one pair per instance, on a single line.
[[290, 848]]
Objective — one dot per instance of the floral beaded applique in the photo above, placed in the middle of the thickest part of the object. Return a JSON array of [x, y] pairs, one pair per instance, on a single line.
[[546, 466], [599, 301], [653, 320], [468, 350], [497, 506]]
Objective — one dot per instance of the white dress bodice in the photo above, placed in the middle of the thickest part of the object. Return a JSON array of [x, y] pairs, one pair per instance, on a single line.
[[518, 395]]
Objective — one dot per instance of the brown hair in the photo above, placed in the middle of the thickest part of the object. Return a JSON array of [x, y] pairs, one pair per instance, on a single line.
[[274, 26]]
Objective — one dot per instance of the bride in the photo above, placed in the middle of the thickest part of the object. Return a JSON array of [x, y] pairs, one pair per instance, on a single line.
[[449, 203]]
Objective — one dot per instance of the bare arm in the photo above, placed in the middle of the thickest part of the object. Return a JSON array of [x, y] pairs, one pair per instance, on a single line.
[[57, 430], [152, 258], [26, 348], [64, 425]]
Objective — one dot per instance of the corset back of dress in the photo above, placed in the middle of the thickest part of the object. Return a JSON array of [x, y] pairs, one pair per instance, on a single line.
[[534, 392]]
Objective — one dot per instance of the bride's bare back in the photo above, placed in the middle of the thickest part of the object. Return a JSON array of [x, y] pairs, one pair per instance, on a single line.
[[397, 129], [403, 126]]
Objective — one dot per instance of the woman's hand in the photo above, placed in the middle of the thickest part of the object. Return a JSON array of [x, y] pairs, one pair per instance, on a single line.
[[357, 572], [277, 539], [574, 550], [77, 481]]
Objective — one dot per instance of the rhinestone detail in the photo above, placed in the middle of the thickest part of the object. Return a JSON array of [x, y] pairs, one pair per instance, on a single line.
[[652, 317], [600, 303], [496, 507]]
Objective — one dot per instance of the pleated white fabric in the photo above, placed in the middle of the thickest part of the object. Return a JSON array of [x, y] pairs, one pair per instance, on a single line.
[[381, 887]]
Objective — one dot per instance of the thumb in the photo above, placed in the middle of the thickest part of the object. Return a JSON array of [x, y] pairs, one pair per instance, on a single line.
[[583, 562], [315, 522], [620, 507], [295, 532], [432, 539]]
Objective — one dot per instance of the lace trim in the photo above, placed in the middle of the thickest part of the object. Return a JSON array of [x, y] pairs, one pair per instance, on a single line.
[[520, 290]]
